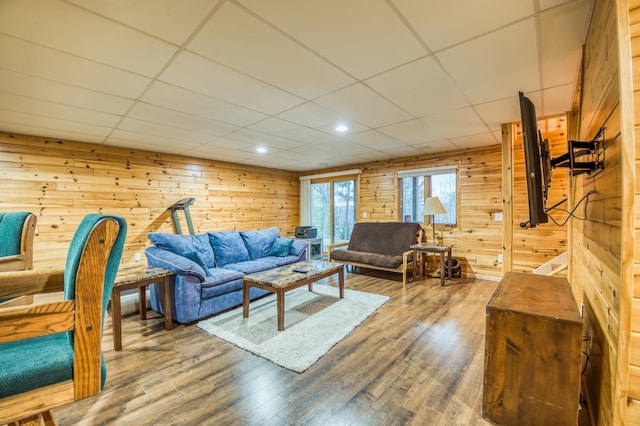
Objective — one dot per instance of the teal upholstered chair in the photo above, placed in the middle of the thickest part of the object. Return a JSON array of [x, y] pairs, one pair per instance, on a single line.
[[50, 353], [16, 240]]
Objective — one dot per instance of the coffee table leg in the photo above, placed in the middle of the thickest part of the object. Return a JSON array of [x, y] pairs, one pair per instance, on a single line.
[[280, 303], [245, 300], [341, 281], [116, 319]]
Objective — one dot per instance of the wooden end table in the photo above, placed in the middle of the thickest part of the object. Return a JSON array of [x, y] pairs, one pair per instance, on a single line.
[[139, 278], [285, 278], [433, 248]]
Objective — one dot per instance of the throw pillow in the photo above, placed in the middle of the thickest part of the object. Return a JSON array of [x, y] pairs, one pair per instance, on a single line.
[[228, 247], [259, 242], [281, 247], [194, 256]]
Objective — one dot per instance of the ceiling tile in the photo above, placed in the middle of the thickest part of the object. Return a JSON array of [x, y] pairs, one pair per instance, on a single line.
[[167, 19], [151, 130], [56, 111], [474, 141], [413, 132], [136, 140], [27, 58], [312, 115], [286, 129], [556, 100], [497, 65], [436, 146], [374, 140], [63, 133], [180, 120], [421, 88], [262, 139], [176, 98], [37, 88], [266, 54], [497, 113], [363, 105], [73, 30], [451, 124], [563, 31], [327, 27], [209, 78], [51, 127], [442, 23]]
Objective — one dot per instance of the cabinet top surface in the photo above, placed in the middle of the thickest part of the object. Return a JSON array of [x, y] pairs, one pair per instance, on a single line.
[[539, 295]]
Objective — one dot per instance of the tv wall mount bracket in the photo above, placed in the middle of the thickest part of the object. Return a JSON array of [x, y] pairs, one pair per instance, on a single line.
[[575, 159]]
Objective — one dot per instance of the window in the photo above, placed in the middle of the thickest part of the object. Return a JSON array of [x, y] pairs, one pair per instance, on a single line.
[[329, 202], [418, 184]]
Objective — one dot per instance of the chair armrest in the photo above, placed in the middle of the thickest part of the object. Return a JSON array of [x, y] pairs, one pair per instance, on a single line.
[[22, 283]]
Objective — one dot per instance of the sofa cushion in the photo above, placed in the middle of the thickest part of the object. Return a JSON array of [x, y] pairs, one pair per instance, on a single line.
[[389, 238], [281, 247], [373, 259], [252, 266], [185, 244], [259, 242], [228, 247]]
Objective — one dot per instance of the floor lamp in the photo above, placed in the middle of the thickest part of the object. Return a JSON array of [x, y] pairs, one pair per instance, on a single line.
[[432, 207]]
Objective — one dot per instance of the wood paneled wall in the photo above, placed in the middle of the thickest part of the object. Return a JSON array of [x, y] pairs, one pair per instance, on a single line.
[[533, 247], [477, 239], [61, 181], [601, 271]]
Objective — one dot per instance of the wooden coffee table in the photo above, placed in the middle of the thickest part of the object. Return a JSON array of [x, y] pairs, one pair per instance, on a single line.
[[285, 278]]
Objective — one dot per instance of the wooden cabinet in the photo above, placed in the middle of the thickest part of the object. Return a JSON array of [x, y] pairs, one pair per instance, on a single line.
[[532, 352]]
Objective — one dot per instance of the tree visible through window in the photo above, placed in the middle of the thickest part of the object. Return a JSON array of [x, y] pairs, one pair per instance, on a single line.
[[414, 190]]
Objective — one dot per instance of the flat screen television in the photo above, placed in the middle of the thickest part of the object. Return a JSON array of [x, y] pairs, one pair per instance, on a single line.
[[537, 164]]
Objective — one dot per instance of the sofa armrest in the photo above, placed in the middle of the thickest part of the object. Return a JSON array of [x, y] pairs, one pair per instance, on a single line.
[[180, 265]]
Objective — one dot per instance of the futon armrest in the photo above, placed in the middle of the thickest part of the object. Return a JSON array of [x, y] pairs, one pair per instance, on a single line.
[[22, 283], [330, 247]]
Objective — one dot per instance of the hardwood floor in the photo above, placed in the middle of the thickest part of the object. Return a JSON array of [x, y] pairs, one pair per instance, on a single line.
[[417, 360]]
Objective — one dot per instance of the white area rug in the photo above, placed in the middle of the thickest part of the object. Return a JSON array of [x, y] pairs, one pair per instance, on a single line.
[[314, 322]]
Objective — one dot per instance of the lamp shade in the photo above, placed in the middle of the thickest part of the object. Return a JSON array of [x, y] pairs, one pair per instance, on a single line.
[[432, 205]]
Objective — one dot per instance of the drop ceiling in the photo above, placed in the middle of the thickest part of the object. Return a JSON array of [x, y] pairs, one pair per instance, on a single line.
[[218, 79]]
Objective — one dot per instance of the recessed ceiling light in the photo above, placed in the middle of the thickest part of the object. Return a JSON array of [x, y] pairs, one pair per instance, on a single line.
[[261, 150], [341, 128]]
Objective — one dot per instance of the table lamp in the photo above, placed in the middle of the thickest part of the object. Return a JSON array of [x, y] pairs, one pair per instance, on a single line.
[[432, 207]]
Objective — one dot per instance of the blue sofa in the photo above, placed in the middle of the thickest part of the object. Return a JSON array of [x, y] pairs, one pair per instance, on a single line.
[[209, 267]]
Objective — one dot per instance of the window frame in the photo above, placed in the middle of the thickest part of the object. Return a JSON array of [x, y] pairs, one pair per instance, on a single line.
[[427, 174]]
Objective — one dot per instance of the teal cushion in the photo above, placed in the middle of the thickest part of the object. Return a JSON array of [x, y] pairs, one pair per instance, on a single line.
[[228, 247], [281, 247], [195, 257], [11, 225]]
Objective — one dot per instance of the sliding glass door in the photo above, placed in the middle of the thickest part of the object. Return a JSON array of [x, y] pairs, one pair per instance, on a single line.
[[333, 208]]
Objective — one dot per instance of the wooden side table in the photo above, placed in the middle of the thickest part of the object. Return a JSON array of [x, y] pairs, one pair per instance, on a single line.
[[433, 248], [139, 278]]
